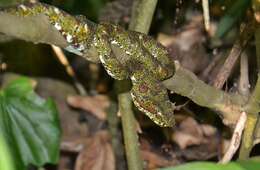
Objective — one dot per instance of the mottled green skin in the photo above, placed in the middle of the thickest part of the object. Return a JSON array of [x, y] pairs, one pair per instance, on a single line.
[[124, 54], [73, 29], [145, 62]]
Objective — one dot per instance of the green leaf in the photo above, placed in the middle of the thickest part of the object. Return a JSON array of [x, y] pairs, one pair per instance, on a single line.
[[240, 165], [232, 16], [29, 124], [6, 159]]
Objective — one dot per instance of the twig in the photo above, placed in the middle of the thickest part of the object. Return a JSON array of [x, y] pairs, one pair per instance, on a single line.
[[257, 43], [256, 7], [248, 137], [63, 59], [252, 108], [133, 156], [205, 7], [116, 137], [238, 47], [236, 138], [243, 86], [216, 58]]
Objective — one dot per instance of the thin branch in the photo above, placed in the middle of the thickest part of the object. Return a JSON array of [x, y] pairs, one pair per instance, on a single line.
[[253, 104], [214, 61], [252, 108], [134, 160], [236, 138], [243, 86], [63, 59], [257, 43], [256, 7], [115, 133], [238, 47], [205, 7], [257, 134], [248, 137]]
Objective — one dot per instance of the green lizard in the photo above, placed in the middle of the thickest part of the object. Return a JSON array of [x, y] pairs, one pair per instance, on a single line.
[[124, 54]]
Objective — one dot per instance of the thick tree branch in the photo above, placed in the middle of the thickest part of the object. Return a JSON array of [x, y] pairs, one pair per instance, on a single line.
[[185, 83], [36, 29]]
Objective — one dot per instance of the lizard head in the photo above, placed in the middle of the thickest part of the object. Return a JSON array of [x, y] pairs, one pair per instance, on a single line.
[[151, 98]]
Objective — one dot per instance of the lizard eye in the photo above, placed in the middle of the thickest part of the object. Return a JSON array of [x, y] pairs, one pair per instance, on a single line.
[[163, 72]]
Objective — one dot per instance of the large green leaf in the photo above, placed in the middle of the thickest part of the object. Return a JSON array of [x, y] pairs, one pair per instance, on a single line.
[[241, 165], [29, 125]]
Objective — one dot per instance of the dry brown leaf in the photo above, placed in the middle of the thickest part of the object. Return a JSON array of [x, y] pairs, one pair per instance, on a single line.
[[73, 145], [97, 155], [153, 157], [187, 45], [191, 133], [166, 40], [64, 162], [184, 140], [208, 130], [94, 104]]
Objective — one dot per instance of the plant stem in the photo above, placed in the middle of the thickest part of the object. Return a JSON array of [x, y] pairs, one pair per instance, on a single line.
[[236, 138], [238, 47], [243, 86], [142, 14], [248, 137], [116, 138], [257, 43], [252, 108], [133, 157], [206, 16], [256, 7]]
